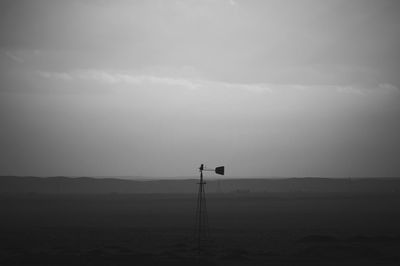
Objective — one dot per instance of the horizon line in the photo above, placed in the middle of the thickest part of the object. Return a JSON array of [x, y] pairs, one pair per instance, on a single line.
[[159, 178]]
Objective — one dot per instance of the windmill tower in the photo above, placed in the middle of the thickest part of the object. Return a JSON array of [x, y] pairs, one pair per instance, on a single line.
[[201, 233]]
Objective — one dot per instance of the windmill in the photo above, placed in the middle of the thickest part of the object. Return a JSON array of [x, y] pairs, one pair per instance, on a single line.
[[201, 232]]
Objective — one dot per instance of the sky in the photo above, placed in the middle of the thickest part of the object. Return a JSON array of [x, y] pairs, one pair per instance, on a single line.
[[155, 88]]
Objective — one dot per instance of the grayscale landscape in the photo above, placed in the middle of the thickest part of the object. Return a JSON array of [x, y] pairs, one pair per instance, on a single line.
[[199, 132]]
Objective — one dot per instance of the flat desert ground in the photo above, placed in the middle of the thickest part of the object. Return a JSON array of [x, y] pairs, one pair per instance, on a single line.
[[156, 229]]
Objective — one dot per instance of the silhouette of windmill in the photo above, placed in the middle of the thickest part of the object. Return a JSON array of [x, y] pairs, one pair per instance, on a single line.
[[201, 233]]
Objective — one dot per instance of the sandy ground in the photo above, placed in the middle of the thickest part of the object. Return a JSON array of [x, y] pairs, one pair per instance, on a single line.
[[248, 229]]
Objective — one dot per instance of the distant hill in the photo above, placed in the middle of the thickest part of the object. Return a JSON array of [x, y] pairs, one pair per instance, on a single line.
[[88, 185]]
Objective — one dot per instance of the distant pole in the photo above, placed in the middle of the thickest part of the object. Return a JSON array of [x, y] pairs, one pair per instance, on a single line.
[[201, 227]]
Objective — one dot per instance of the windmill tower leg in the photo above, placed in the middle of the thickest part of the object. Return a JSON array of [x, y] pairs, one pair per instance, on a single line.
[[201, 224]]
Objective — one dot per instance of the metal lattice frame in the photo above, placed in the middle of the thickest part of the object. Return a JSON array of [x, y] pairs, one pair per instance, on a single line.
[[201, 230], [201, 233]]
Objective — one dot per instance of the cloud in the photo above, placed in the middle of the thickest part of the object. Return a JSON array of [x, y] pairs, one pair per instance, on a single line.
[[173, 79], [350, 90], [384, 88], [12, 56], [123, 77], [232, 2], [388, 87], [55, 75]]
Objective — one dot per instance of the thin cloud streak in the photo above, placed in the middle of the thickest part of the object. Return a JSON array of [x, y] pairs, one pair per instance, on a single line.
[[111, 77], [124, 77], [12, 56]]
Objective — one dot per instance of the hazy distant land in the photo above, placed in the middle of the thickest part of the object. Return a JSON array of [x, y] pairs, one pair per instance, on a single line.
[[61, 185]]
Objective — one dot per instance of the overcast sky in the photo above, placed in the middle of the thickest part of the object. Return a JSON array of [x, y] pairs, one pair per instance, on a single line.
[[155, 88]]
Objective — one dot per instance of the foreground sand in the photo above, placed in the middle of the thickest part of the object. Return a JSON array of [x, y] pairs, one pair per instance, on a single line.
[[156, 229]]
